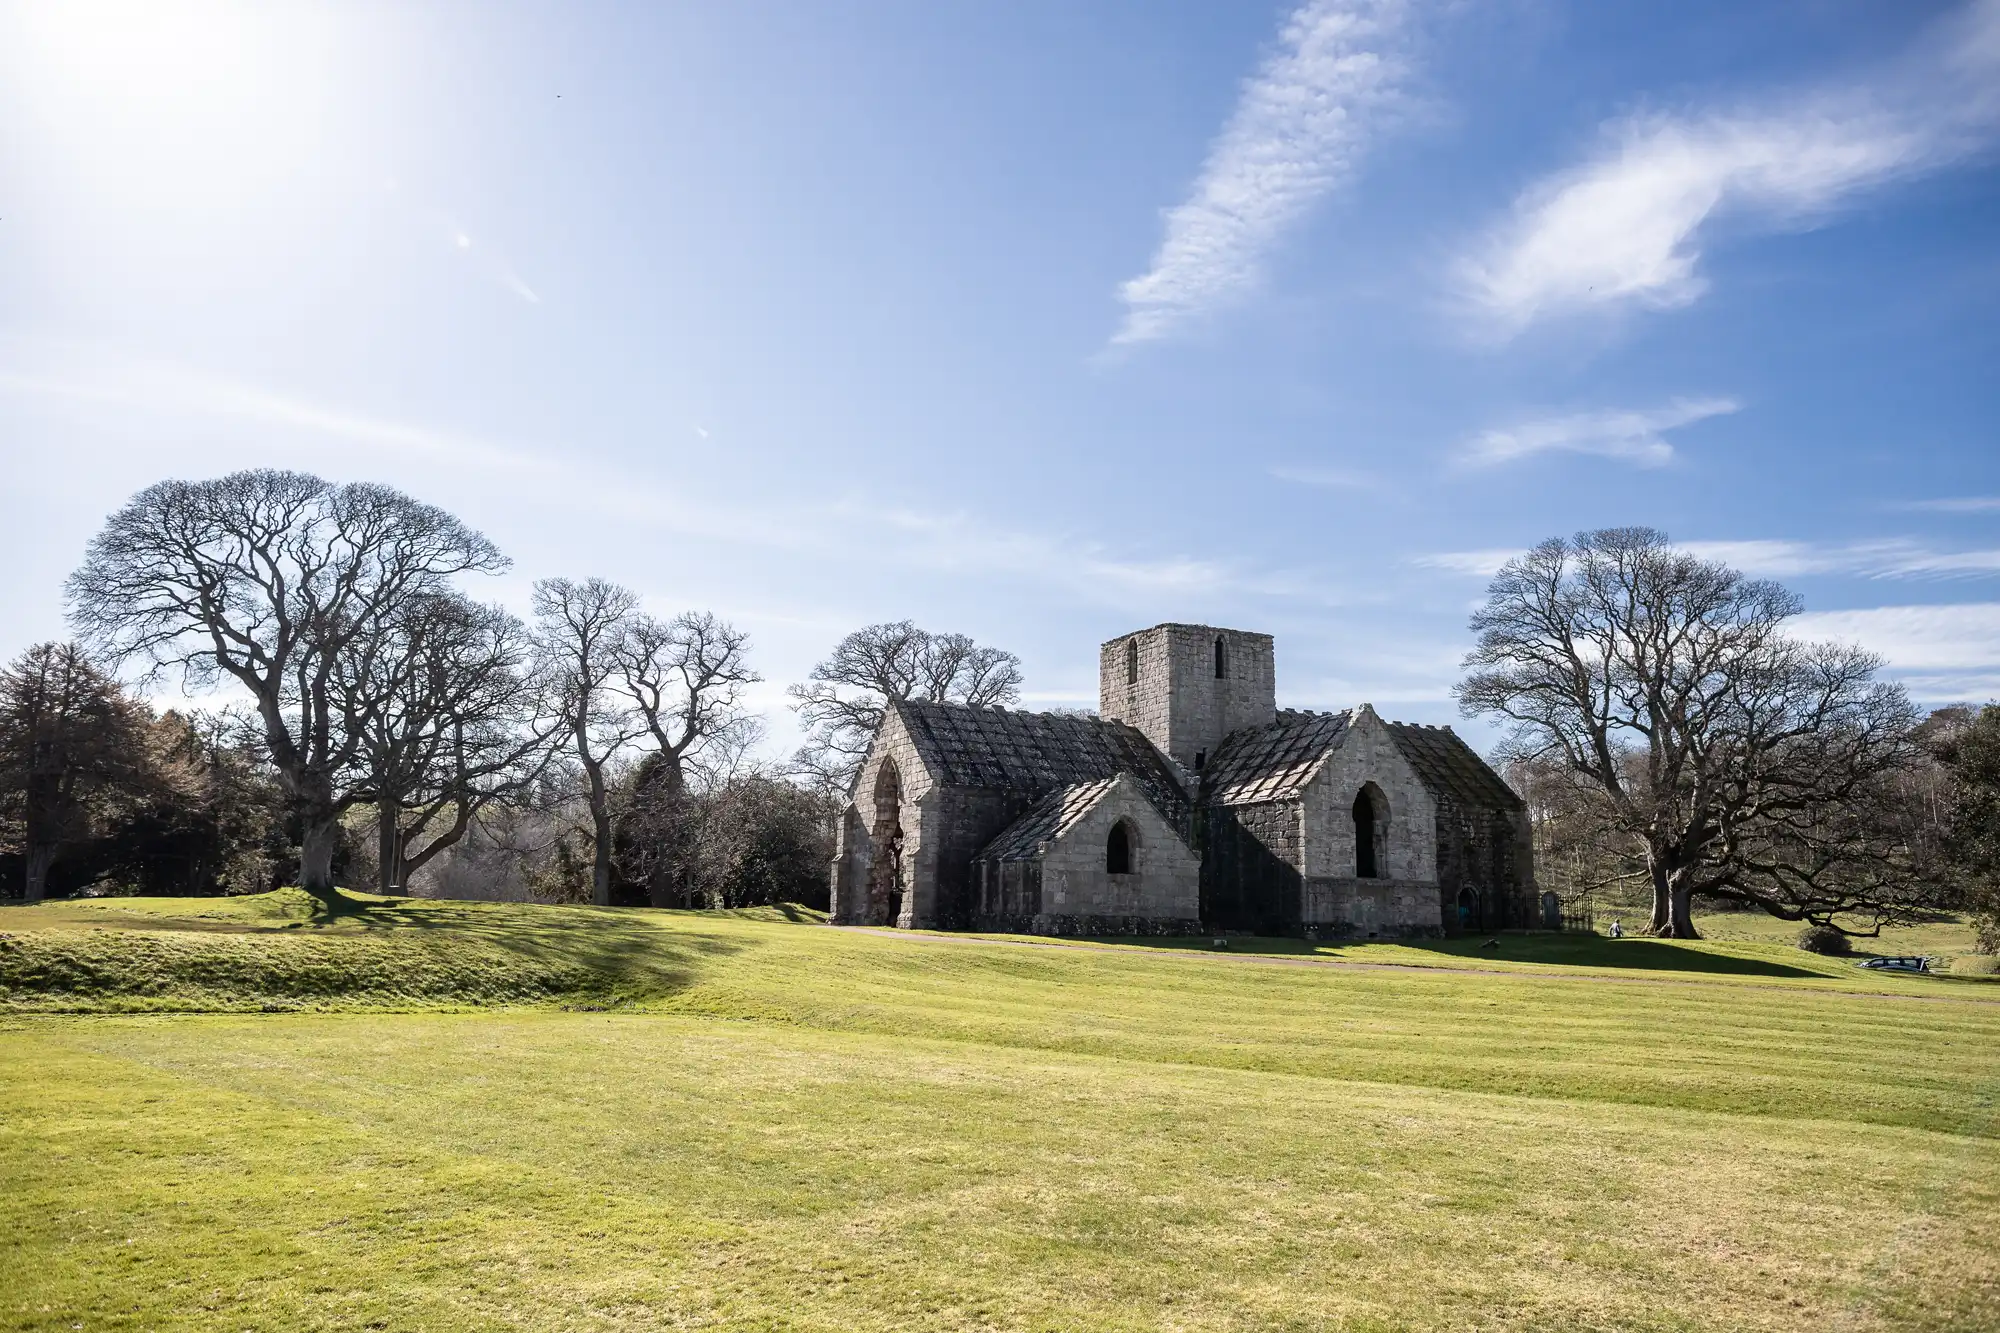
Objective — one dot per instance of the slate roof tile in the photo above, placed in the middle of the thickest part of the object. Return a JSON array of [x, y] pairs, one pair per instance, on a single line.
[[1448, 766], [1035, 753], [1046, 821], [1271, 763]]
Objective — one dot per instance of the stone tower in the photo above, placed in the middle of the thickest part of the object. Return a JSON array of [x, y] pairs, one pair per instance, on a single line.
[[1188, 686]]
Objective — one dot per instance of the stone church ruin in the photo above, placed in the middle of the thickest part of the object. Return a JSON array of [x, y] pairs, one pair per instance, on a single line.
[[1190, 803]]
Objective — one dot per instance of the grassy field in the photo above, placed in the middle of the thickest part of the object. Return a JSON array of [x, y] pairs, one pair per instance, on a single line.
[[238, 1115]]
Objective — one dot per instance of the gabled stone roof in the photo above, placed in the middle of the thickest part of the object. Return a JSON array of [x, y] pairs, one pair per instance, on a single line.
[[1050, 818], [1274, 763], [1448, 766], [1035, 753], [1271, 763]]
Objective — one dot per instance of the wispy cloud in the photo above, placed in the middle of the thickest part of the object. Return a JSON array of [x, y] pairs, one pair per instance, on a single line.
[[1339, 479], [1964, 504], [1888, 558], [1473, 564], [1941, 652], [1625, 228], [155, 388], [1636, 436], [1298, 131]]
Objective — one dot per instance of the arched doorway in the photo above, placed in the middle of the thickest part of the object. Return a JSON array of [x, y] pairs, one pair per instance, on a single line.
[[1468, 910], [885, 877]]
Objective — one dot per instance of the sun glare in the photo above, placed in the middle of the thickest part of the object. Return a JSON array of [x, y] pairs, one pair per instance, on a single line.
[[170, 98]]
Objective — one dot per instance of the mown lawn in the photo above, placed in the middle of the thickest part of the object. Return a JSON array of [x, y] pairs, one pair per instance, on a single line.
[[236, 1115]]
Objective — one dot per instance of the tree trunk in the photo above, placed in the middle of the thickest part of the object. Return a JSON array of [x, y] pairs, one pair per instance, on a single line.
[[600, 820], [322, 835], [40, 858], [600, 862], [1680, 921], [388, 848], [1663, 902]]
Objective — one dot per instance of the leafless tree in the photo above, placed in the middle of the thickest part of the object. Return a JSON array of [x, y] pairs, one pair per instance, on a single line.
[[685, 677], [1746, 764], [580, 629], [69, 740], [275, 582], [1967, 745], [842, 700], [1580, 850], [456, 730]]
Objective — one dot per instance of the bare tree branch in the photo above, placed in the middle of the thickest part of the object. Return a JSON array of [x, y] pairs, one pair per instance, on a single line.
[[288, 587]]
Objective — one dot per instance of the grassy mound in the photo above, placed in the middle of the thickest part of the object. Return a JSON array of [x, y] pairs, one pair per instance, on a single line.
[[123, 970], [283, 951]]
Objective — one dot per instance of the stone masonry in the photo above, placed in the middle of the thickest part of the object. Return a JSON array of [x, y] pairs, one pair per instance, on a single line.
[[1191, 802]]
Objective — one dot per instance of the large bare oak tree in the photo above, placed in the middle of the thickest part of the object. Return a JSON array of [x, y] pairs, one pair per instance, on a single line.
[[1740, 762], [277, 583], [686, 677], [841, 702], [456, 729], [580, 628]]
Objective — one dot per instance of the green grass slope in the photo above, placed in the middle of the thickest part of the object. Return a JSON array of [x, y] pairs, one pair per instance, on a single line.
[[687, 1120]]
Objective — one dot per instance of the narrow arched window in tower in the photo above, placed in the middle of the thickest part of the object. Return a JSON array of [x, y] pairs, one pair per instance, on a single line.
[[1364, 837], [1131, 661], [1118, 850], [1221, 659]]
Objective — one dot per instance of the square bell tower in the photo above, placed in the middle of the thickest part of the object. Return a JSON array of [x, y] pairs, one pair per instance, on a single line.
[[1186, 687]]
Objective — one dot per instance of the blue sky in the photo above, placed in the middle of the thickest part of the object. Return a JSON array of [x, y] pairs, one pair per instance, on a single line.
[[1039, 321]]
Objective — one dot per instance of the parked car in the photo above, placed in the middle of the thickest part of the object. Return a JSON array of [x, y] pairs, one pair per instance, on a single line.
[[1911, 963]]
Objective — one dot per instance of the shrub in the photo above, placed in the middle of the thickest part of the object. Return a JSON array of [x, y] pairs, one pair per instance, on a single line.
[[1825, 939], [1976, 965]]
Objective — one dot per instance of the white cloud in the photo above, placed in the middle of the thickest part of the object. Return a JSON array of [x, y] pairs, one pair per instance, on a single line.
[[1636, 436], [1889, 558], [1942, 652], [1479, 564], [1298, 130], [1963, 504], [153, 388], [1331, 478], [828, 528], [1625, 228]]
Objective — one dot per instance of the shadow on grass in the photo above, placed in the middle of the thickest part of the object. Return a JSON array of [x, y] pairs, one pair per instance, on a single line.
[[1596, 951], [1555, 950], [629, 949]]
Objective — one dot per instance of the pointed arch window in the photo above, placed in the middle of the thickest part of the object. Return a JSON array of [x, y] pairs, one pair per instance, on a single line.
[[1221, 659], [1131, 661], [1366, 863], [1118, 849]]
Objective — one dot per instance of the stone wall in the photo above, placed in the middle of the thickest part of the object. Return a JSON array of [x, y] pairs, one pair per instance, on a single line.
[[1177, 701], [1406, 833], [1165, 883], [1486, 863], [958, 822], [1250, 866], [1371, 909], [858, 846]]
